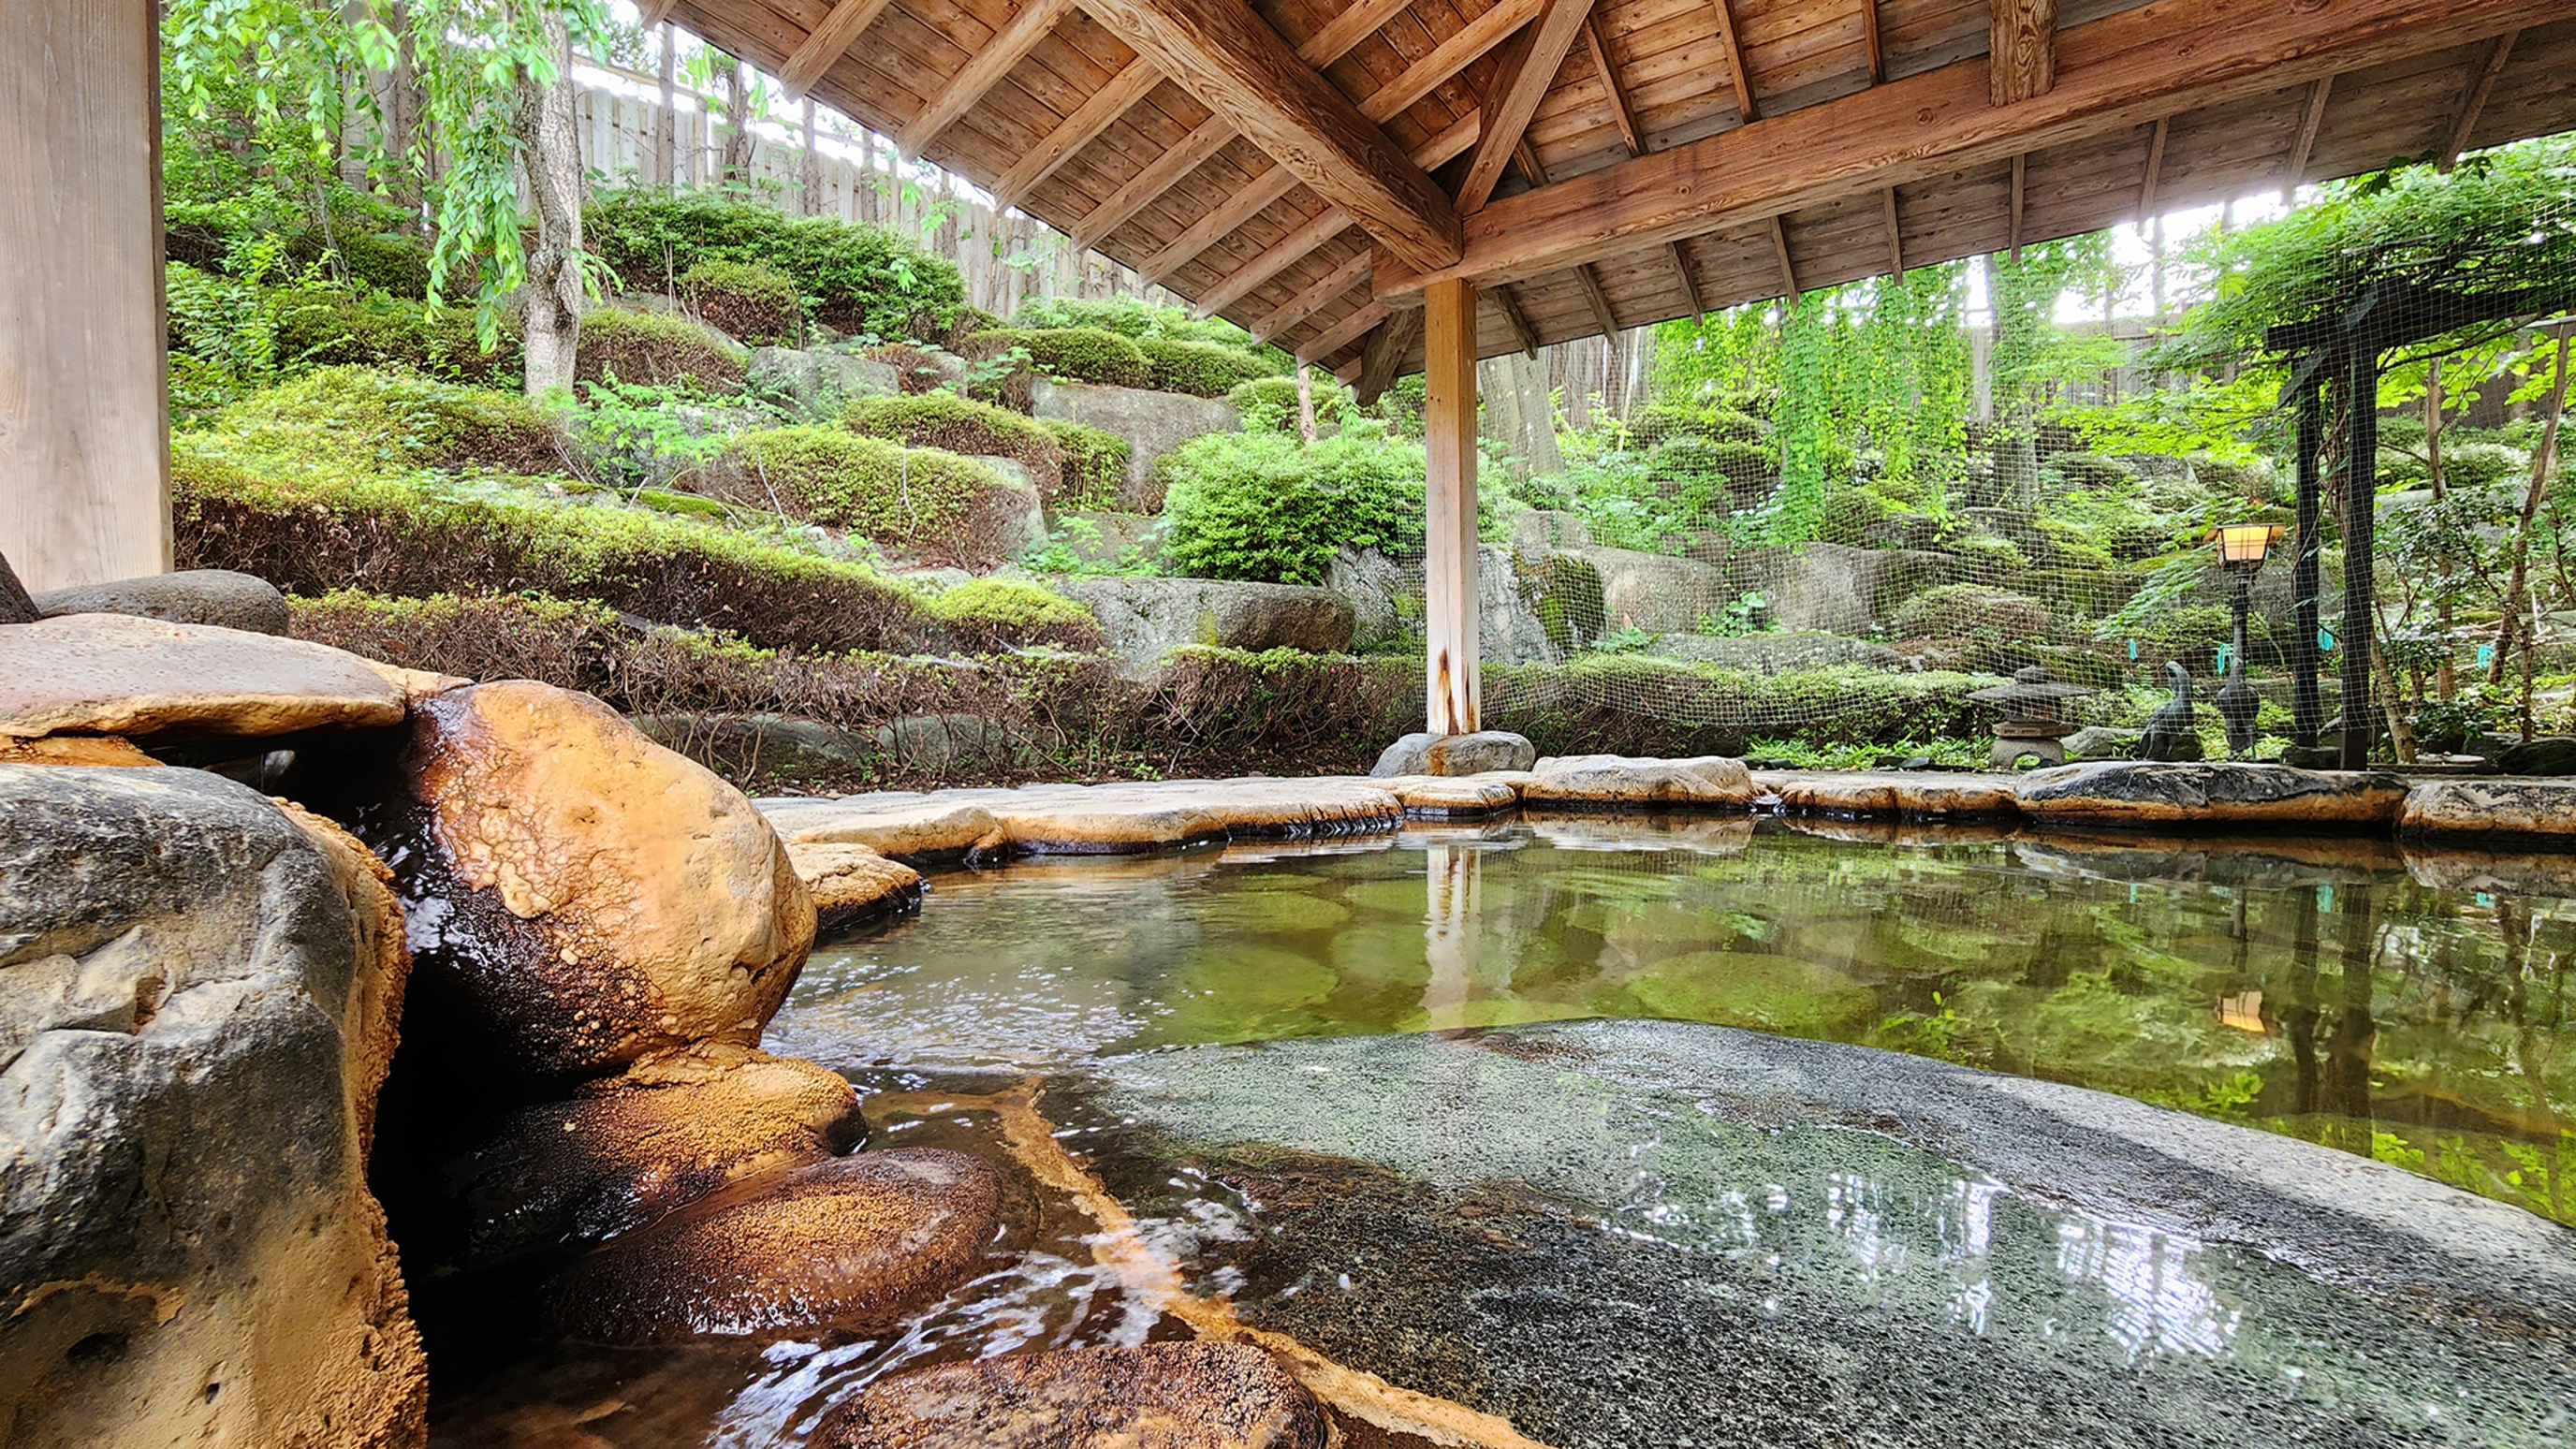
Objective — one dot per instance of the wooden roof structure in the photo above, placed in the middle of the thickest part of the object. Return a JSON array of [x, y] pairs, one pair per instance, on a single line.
[[1301, 166]]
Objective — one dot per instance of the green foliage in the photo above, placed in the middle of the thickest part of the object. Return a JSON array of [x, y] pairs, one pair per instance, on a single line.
[[1095, 464], [1067, 354], [633, 433], [392, 420], [918, 498], [660, 348], [1959, 611], [961, 425], [862, 280], [750, 303], [1130, 318], [1201, 369], [1710, 422], [1263, 506], [1018, 610], [1269, 404]]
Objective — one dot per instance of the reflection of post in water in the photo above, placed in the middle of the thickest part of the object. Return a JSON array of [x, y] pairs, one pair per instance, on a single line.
[[2299, 1002], [2348, 1055], [1449, 933]]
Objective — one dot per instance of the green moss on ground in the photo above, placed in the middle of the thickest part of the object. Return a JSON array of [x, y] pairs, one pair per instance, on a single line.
[[1067, 354], [864, 280], [393, 420], [1095, 464], [662, 349], [919, 499]]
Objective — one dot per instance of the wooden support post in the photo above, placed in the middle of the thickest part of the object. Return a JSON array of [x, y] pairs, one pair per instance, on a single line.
[[1453, 697], [2360, 513], [84, 417], [2307, 712]]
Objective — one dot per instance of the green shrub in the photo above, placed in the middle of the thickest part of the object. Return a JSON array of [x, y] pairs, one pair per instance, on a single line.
[[749, 303], [2249, 482], [865, 280], [1660, 421], [1067, 354], [1263, 506], [960, 425], [1201, 369], [1095, 464], [657, 348], [326, 327], [982, 612], [1958, 611], [1269, 404], [1848, 515], [395, 420], [2085, 472], [936, 504], [1130, 318]]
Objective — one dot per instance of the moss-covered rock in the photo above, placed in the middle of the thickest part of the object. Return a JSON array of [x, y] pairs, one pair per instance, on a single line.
[[864, 280], [923, 500], [959, 425], [1200, 369], [1095, 464], [747, 302], [1957, 611], [989, 614], [394, 419], [1068, 354], [657, 348]]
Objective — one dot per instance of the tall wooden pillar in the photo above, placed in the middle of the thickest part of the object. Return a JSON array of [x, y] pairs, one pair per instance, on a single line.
[[84, 412], [2307, 712], [1449, 562], [2360, 513]]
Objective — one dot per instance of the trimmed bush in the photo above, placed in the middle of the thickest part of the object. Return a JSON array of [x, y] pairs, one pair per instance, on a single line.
[[960, 425], [865, 280], [1263, 506], [1269, 404], [751, 304], [657, 348], [1960, 611], [1200, 369], [991, 614], [920, 499], [1095, 464], [1067, 354], [395, 420]]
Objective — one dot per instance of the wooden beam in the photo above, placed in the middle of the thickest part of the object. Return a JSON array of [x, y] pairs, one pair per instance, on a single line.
[[1345, 332], [983, 70], [1317, 296], [1780, 249], [2155, 171], [1533, 169], [2020, 190], [1294, 247], [1623, 111], [2476, 100], [1253, 198], [1453, 695], [653, 12], [1869, 39], [1080, 129], [1160, 175], [1690, 284], [1895, 240], [1382, 360], [1345, 31], [2306, 144], [1729, 42], [84, 425], [2021, 49], [1529, 67], [1516, 319], [1597, 300], [830, 41], [1472, 43]]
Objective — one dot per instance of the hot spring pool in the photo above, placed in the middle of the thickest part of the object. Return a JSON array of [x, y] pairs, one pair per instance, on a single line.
[[1649, 1232]]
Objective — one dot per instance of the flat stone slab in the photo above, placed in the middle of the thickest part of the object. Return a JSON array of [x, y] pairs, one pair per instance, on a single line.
[[1089, 819], [117, 674], [1621, 1233], [2139, 792], [2466, 807], [1451, 797], [1885, 794], [1709, 782], [899, 824], [851, 884]]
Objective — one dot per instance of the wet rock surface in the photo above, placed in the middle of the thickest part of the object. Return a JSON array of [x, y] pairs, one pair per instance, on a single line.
[[1890, 794], [1711, 782], [2548, 755], [622, 1151], [2507, 809], [849, 1242], [584, 896], [72, 750], [1482, 752], [2123, 792], [852, 884], [117, 674], [905, 825], [1644, 1234], [1442, 797], [198, 997], [1088, 819], [1198, 1395], [221, 597]]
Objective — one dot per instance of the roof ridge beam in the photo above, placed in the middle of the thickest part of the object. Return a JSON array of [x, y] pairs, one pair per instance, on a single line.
[[984, 69]]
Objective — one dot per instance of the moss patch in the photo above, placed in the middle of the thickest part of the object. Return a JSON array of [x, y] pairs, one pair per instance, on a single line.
[[747, 302], [394, 420], [920, 499], [985, 614], [1067, 354], [1200, 369], [1095, 464], [959, 425], [655, 348]]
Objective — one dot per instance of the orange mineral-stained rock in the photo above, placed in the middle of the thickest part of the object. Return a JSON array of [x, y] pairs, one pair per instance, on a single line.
[[583, 896], [1195, 1395]]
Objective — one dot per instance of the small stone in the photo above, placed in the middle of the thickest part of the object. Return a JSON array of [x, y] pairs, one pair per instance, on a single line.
[[1195, 1395]]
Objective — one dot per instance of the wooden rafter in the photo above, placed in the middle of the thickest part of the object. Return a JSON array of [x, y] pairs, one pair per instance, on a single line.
[[2476, 100], [1343, 333], [1525, 157], [1895, 239], [1529, 66], [1383, 360], [1515, 318], [653, 12], [1255, 197], [2306, 144], [2155, 170], [1597, 300], [1160, 175], [830, 41], [1733, 45], [1473, 42], [1869, 39], [1690, 284], [983, 70], [2159, 58], [1315, 298], [1343, 33], [1623, 111], [1294, 247], [1780, 249], [2020, 192], [1080, 129], [2021, 49]]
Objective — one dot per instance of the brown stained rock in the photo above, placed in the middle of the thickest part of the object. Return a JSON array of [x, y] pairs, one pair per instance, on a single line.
[[897, 824], [2140, 792], [117, 674], [623, 1151], [1897, 795], [1197, 1395], [851, 884], [1709, 782], [2532, 809], [1112, 819], [1445, 797], [590, 896], [72, 750], [414, 685], [850, 1242]]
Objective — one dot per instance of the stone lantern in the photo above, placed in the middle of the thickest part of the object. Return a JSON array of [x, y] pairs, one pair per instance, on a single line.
[[2034, 720]]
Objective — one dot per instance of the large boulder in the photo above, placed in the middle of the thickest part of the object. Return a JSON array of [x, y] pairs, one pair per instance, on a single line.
[[624, 1150], [1835, 588], [581, 896], [122, 675], [1776, 653], [1153, 423], [2505, 809], [1659, 593], [2215, 792], [220, 597], [198, 998], [1710, 782], [1480, 753], [1195, 1395], [1385, 596], [818, 382], [1015, 513], [1148, 618], [850, 1243], [2548, 755]]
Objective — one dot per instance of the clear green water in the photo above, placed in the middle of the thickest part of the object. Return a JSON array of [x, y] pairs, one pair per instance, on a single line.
[[2308, 988]]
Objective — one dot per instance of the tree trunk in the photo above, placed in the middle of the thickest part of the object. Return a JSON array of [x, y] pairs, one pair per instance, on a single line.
[[552, 298], [1305, 405], [810, 177], [737, 132], [2518, 585]]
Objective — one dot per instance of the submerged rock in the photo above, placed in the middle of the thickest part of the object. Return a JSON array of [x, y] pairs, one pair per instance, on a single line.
[[589, 896], [1705, 782], [851, 884], [1196, 1395], [850, 1242], [625, 1150], [116, 674], [198, 998], [220, 597], [1483, 752], [2126, 792]]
